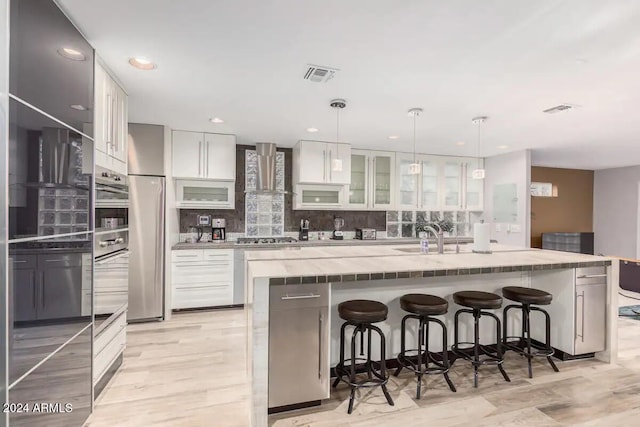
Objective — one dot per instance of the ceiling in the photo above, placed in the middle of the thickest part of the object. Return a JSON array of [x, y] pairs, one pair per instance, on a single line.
[[244, 61]]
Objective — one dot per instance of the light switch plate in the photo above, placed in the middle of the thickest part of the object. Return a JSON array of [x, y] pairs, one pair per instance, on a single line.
[[515, 228], [498, 227]]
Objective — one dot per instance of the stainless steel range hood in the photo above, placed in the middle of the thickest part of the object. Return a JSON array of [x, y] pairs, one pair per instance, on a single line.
[[266, 179]]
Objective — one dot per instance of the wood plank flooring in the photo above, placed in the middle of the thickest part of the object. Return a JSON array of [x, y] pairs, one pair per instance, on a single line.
[[190, 372]]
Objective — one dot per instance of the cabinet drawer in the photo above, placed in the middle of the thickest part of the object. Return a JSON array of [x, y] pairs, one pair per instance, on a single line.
[[109, 302], [23, 261], [591, 275], [61, 260], [207, 296], [107, 335], [109, 354], [218, 255], [187, 255]]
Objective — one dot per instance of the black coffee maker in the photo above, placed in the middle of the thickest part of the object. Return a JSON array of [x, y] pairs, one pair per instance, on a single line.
[[303, 233]]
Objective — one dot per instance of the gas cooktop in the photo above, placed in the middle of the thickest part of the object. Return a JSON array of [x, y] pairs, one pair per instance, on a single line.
[[264, 240]]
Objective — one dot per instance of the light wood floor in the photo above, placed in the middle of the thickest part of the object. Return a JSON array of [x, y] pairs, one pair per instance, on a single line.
[[190, 372]]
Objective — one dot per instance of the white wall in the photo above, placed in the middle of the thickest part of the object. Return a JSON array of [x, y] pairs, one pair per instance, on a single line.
[[615, 211], [506, 169]]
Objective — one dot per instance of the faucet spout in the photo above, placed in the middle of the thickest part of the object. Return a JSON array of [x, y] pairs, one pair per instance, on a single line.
[[439, 235]]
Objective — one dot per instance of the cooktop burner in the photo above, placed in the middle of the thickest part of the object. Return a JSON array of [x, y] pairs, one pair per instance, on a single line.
[[264, 240]]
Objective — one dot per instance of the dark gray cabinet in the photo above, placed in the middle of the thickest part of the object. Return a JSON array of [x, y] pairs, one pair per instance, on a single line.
[[47, 287]]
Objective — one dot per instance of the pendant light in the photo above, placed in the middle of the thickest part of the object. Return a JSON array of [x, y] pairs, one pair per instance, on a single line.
[[479, 172], [414, 168], [337, 104]]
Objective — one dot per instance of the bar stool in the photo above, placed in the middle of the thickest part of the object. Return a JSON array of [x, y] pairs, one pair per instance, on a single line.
[[477, 301], [361, 314], [422, 308], [528, 298]]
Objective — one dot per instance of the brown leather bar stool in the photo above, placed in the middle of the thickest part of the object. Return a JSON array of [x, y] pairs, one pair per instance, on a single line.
[[528, 298], [361, 314], [478, 301], [423, 307]]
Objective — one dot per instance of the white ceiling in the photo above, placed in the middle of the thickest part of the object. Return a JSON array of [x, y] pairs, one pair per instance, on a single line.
[[243, 61]]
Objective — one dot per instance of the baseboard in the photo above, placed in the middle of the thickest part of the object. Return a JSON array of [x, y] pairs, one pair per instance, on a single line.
[[295, 406]]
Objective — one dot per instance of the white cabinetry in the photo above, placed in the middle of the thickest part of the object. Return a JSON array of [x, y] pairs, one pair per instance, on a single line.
[[321, 163], [197, 155], [372, 180], [443, 183], [108, 345], [202, 278], [110, 122], [200, 194]]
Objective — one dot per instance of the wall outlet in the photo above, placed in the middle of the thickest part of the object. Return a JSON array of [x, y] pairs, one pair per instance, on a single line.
[[498, 227], [515, 228]]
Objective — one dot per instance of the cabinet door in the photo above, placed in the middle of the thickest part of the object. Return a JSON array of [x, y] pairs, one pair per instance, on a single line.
[[338, 163], [220, 157], [474, 193], [198, 194], [60, 293], [101, 119], [318, 197], [360, 182], [383, 172], [430, 183], [121, 134], [407, 183], [312, 162], [451, 184], [187, 158], [590, 319], [24, 291]]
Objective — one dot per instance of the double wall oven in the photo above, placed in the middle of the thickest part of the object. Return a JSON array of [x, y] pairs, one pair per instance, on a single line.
[[111, 246]]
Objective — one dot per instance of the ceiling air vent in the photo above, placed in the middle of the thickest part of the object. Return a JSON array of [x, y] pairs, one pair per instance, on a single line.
[[558, 108], [319, 74]]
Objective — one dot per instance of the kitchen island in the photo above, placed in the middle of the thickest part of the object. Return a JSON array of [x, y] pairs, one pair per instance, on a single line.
[[375, 274]]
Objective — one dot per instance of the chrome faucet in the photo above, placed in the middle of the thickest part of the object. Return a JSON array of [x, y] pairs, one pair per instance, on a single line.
[[439, 234]]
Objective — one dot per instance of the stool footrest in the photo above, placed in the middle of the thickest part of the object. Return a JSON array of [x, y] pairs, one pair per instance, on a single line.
[[411, 363], [488, 356], [520, 346]]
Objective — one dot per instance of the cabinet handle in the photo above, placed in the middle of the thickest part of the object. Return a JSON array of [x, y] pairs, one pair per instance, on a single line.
[[324, 171], [114, 136], [35, 289], [581, 334], [308, 296], [42, 300], [19, 262], [206, 160], [330, 167], [321, 343], [591, 276], [200, 158]]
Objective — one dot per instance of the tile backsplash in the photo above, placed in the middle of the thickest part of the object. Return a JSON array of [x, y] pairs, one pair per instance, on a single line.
[[403, 223]]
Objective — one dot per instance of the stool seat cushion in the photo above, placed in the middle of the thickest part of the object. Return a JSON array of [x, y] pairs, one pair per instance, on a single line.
[[527, 295], [362, 310], [478, 299], [423, 304]]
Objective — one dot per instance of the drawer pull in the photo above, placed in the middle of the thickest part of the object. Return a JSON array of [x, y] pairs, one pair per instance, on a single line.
[[591, 276], [308, 296]]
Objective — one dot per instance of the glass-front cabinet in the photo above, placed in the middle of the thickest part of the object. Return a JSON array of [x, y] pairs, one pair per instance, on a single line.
[[407, 183], [372, 180], [430, 183], [318, 196], [474, 189], [452, 183], [205, 194]]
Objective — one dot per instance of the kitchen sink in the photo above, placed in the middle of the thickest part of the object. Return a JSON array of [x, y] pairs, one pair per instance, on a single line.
[[432, 249]]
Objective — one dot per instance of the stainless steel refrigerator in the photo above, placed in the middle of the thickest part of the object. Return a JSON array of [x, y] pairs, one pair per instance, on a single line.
[[146, 222]]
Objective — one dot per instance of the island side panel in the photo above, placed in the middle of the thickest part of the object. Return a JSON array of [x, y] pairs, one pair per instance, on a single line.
[[610, 354], [258, 350]]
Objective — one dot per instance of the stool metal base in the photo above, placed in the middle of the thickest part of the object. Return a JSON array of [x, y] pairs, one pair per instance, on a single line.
[[524, 345], [477, 353], [419, 363], [376, 375]]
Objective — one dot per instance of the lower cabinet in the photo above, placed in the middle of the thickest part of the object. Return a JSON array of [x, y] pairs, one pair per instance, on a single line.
[[108, 345], [201, 278]]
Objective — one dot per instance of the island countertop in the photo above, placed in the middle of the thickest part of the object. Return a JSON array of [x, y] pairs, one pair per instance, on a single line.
[[335, 264]]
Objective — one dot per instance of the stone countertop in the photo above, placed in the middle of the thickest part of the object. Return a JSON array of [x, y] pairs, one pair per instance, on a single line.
[[311, 243], [379, 265]]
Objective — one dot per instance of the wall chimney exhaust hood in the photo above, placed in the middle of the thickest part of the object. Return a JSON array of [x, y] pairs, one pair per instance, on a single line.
[[266, 179]]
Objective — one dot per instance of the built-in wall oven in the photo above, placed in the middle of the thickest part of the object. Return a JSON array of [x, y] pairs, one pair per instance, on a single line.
[[112, 190], [111, 273]]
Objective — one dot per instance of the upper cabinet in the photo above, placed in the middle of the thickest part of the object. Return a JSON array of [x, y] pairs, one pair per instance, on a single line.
[[372, 180], [51, 64], [321, 163], [110, 122], [442, 183], [210, 156]]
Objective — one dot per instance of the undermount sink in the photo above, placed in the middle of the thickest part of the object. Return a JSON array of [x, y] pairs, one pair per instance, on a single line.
[[432, 249]]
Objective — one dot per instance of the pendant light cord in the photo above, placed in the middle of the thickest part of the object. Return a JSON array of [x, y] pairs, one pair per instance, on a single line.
[[337, 124], [414, 137]]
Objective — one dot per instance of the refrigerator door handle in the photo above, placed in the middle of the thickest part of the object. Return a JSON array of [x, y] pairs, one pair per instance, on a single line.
[[160, 248]]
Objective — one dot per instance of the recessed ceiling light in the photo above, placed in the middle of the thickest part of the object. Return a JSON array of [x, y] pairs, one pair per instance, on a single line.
[[142, 63], [216, 120], [78, 107], [312, 130], [460, 143], [73, 54], [502, 147], [393, 137]]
